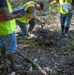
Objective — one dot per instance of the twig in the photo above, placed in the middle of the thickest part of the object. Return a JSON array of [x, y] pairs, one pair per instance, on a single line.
[[33, 62]]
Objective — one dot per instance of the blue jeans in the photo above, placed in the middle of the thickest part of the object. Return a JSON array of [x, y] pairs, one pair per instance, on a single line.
[[8, 42], [65, 19], [23, 26]]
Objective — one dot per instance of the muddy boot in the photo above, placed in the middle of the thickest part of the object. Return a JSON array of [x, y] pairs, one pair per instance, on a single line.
[[13, 65], [66, 32], [3, 52], [62, 30], [4, 58]]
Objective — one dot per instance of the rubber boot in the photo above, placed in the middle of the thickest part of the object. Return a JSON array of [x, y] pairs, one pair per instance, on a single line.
[[66, 31], [4, 58], [13, 65], [62, 30], [3, 52]]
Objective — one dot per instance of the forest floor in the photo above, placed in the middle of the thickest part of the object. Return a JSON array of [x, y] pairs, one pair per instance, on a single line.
[[54, 55]]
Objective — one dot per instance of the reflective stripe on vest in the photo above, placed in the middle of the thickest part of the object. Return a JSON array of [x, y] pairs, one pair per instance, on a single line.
[[28, 4], [2, 19]]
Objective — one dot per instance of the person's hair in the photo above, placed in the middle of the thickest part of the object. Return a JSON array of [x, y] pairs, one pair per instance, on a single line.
[[72, 1], [41, 4]]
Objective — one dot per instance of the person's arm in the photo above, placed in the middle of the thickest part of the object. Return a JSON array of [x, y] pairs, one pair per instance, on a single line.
[[53, 2], [36, 17], [32, 10], [6, 15], [72, 9]]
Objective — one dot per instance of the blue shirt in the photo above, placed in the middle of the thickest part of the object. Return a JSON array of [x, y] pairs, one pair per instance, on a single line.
[[3, 3]]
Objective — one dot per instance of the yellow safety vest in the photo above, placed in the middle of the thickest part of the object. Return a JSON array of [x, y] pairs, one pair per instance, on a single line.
[[7, 26], [63, 2], [24, 19]]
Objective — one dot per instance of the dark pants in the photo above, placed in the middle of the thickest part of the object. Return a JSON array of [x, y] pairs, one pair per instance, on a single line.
[[23, 27]]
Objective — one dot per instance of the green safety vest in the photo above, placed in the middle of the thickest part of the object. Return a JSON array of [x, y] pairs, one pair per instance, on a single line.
[[26, 6], [62, 2], [9, 26]]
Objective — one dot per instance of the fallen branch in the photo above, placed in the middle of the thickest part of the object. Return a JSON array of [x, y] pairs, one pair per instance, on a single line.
[[33, 62]]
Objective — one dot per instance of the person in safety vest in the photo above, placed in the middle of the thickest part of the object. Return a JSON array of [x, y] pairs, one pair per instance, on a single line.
[[31, 17], [65, 17], [7, 36]]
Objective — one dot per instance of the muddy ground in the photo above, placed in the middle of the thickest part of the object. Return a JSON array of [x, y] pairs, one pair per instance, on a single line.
[[55, 55]]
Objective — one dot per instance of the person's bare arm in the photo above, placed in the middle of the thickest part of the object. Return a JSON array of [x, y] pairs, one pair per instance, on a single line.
[[8, 16], [36, 17], [53, 2]]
